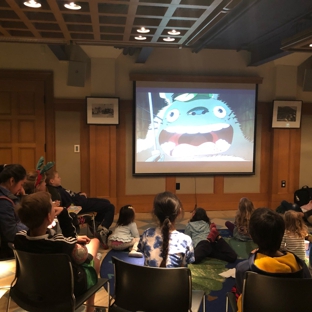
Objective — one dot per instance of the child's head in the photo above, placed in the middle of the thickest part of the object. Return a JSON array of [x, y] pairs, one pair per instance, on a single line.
[[245, 206], [12, 177], [167, 207], [245, 209], [199, 214], [35, 182], [53, 178], [294, 223], [266, 228], [126, 215], [36, 209]]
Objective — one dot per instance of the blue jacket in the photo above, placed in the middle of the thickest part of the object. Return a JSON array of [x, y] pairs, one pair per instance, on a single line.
[[10, 224], [198, 231]]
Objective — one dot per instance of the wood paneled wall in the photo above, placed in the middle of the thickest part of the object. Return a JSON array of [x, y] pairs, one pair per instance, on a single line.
[[103, 164]]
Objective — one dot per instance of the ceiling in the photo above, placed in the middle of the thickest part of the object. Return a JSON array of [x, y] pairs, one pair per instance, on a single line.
[[268, 29]]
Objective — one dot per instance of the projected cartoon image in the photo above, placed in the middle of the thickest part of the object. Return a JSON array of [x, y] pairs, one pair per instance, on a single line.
[[192, 127]]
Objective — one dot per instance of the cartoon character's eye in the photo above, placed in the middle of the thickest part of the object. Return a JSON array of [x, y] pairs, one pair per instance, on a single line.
[[219, 111], [173, 115]]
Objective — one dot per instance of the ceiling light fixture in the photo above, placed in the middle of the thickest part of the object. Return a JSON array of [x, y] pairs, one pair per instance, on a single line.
[[32, 4], [168, 39], [143, 30], [72, 6], [140, 38], [173, 32], [310, 45]]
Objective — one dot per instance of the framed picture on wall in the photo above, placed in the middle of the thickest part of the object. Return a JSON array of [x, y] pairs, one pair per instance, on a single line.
[[102, 110], [286, 114]]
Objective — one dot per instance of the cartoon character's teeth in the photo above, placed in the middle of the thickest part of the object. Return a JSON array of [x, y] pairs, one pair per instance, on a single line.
[[197, 129], [168, 147], [209, 148], [223, 145]]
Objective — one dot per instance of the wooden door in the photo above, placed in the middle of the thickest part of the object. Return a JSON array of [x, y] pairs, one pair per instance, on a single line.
[[22, 121]]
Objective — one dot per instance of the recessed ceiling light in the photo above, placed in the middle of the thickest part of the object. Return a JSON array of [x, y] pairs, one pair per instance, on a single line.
[[168, 39], [32, 4], [143, 30], [72, 6], [140, 38], [173, 32], [310, 45]]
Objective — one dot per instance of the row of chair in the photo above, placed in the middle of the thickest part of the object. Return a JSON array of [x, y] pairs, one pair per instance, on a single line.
[[44, 282]]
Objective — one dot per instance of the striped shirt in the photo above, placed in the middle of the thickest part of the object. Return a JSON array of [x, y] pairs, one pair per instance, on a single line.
[[294, 244]]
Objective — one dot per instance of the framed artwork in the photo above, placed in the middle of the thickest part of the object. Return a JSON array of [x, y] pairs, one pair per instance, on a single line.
[[286, 114], [102, 111]]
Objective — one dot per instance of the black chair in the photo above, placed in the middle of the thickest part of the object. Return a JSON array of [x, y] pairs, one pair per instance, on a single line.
[[141, 288], [45, 283], [262, 293]]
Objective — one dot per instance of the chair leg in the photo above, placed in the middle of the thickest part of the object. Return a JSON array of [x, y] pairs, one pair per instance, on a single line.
[[93, 221], [8, 303]]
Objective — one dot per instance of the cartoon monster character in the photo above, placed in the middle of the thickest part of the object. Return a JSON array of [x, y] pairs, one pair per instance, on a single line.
[[195, 127]]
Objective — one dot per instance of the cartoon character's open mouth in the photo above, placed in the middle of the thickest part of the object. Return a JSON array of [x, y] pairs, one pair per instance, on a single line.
[[184, 141]]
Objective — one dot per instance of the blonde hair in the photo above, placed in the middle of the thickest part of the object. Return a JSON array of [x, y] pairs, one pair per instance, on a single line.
[[245, 209], [294, 224]]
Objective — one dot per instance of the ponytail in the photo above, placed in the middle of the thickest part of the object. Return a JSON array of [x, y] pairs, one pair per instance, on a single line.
[[165, 244]]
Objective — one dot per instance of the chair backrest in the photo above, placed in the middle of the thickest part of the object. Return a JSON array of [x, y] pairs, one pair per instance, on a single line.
[[43, 282], [271, 294], [141, 288]]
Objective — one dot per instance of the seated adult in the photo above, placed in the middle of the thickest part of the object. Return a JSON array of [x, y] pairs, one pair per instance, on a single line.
[[104, 208], [266, 228], [12, 178], [37, 213]]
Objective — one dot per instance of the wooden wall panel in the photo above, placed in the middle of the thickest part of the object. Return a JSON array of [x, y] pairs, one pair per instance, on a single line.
[[102, 164], [28, 93], [106, 149], [6, 155], [29, 157]]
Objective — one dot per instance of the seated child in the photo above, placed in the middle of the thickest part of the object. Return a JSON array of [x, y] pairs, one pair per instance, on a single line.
[[295, 233], [164, 246], [206, 238], [267, 228], [103, 208], [239, 229], [37, 213], [126, 233], [35, 182]]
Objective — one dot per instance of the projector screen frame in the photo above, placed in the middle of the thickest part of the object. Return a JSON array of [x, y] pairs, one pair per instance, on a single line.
[[202, 79]]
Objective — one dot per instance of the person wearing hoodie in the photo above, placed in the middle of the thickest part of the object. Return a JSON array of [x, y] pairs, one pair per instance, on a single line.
[[206, 239], [267, 228]]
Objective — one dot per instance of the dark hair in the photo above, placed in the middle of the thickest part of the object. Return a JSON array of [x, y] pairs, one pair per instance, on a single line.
[[167, 207], [34, 208], [266, 228], [126, 215], [15, 171], [200, 215], [29, 184]]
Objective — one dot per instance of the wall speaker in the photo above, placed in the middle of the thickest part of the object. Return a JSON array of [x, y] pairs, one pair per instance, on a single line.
[[76, 74], [307, 80]]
